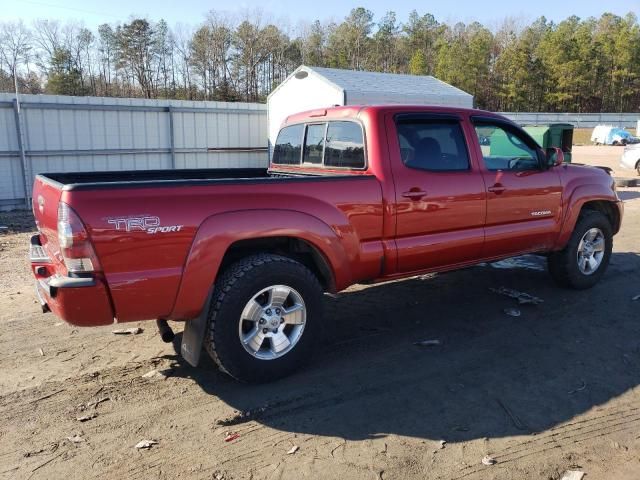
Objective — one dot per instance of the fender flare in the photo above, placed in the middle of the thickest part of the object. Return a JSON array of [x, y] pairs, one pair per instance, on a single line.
[[581, 195], [218, 232]]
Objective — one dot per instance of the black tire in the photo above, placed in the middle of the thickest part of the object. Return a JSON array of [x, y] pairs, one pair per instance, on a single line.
[[233, 289], [638, 167], [563, 265]]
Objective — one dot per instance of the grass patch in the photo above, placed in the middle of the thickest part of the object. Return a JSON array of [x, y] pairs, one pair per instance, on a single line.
[[582, 136]]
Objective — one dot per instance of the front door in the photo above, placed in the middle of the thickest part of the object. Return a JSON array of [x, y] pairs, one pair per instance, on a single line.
[[440, 195], [523, 195]]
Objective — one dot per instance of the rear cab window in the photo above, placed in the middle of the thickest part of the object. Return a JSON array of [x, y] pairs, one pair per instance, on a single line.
[[288, 145], [344, 146], [330, 145], [314, 143]]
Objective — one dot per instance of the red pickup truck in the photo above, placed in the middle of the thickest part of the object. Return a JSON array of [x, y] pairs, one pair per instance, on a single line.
[[352, 195]]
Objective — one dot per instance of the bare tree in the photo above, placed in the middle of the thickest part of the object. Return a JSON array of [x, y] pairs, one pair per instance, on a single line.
[[575, 64], [47, 38], [106, 55], [182, 44], [15, 46]]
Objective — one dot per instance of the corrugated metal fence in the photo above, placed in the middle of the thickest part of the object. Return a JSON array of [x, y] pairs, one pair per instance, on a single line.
[[50, 133], [61, 134], [578, 120]]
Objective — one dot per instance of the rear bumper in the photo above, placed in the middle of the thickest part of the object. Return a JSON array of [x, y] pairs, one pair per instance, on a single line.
[[81, 301]]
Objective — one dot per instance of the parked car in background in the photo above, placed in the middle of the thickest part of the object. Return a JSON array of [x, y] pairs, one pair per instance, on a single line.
[[608, 135], [352, 195], [631, 157]]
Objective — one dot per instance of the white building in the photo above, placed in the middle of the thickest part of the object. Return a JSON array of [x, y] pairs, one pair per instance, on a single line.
[[314, 87]]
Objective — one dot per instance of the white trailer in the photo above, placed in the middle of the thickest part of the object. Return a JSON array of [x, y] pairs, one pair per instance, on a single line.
[[314, 87]]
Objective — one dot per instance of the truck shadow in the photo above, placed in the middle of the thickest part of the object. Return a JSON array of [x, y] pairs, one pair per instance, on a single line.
[[492, 375]]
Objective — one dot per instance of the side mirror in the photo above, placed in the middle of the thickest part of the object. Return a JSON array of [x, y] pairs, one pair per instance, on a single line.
[[555, 156]]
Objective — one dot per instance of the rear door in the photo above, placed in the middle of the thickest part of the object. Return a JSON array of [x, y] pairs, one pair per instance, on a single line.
[[440, 195], [523, 195]]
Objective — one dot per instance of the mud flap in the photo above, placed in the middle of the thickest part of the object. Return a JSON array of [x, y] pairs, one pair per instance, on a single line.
[[193, 335], [43, 304]]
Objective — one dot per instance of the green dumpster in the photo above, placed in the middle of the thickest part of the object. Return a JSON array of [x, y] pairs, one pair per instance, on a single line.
[[553, 135]]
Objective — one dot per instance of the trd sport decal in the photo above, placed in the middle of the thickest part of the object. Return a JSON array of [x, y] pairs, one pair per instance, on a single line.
[[146, 223]]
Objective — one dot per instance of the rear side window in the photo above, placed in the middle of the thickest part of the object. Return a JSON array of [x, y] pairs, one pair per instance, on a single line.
[[314, 144], [344, 145], [436, 145], [288, 145]]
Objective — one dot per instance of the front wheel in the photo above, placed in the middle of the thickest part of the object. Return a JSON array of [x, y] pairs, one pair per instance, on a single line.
[[584, 260], [264, 318]]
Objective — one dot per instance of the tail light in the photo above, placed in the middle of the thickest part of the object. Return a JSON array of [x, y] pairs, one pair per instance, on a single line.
[[75, 246]]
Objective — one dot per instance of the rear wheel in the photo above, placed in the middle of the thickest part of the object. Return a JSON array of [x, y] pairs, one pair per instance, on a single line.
[[584, 260], [264, 318], [638, 167]]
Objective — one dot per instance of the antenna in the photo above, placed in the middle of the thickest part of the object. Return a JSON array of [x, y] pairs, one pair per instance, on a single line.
[[15, 84]]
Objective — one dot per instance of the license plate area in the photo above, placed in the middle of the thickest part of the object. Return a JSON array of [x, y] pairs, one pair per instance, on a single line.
[[37, 254]]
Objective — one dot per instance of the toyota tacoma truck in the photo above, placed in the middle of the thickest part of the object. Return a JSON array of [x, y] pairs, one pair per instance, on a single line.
[[352, 195]]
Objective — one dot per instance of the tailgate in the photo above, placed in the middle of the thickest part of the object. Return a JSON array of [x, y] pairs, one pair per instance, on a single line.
[[66, 281], [46, 197]]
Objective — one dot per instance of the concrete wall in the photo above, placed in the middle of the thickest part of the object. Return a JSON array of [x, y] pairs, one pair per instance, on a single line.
[[64, 134]]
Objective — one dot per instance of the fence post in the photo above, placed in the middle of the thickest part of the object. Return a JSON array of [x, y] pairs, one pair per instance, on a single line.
[[23, 156], [172, 143]]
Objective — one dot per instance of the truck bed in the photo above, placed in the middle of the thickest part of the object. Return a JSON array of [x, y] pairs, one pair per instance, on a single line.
[[201, 176], [122, 178], [193, 207]]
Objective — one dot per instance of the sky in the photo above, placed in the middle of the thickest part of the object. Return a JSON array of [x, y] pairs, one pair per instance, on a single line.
[[488, 12]]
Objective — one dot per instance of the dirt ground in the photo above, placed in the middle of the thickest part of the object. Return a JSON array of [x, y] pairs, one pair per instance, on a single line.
[[552, 390], [604, 156]]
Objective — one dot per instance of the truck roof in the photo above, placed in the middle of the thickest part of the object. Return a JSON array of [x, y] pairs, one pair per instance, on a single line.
[[352, 111]]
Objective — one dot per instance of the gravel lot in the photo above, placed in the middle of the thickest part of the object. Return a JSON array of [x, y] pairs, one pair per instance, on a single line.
[[552, 390], [605, 156]]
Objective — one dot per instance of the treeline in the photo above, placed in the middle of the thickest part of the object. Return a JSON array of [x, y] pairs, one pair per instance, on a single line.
[[576, 65]]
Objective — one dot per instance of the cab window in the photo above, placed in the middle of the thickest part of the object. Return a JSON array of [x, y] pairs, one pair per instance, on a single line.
[[344, 145], [504, 148], [314, 144], [288, 146], [334, 144], [434, 145]]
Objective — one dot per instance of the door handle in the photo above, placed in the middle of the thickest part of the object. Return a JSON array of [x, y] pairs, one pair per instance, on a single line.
[[414, 194], [497, 189]]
